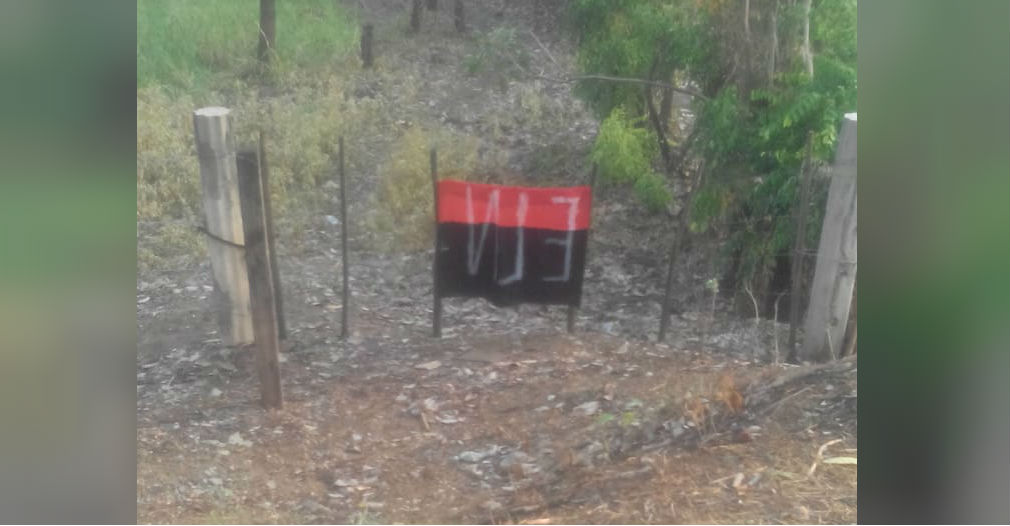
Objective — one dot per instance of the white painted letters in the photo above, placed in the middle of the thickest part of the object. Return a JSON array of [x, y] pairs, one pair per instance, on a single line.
[[573, 209], [473, 260], [517, 275]]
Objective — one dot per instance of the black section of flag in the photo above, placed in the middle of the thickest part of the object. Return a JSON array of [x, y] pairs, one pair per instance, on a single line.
[[486, 261]]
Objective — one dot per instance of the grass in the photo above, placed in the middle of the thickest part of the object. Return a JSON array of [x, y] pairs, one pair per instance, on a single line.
[[193, 53], [195, 45]]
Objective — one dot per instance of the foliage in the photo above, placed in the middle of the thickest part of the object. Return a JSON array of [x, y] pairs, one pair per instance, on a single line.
[[404, 204], [623, 153], [627, 38], [759, 109], [196, 45], [641, 39], [302, 132], [168, 176]]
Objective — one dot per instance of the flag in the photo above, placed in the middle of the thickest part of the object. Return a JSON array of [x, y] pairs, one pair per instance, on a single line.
[[512, 244]]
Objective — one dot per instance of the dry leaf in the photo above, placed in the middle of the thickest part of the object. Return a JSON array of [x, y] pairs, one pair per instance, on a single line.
[[728, 394]]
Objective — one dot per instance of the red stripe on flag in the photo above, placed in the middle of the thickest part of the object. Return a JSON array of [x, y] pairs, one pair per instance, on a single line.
[[565, 208]]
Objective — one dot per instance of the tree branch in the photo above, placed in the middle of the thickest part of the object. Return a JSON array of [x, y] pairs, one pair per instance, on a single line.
[[628, 80], [664, 147]]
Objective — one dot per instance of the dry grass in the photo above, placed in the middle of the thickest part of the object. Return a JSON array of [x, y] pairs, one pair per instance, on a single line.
[[403, 206]]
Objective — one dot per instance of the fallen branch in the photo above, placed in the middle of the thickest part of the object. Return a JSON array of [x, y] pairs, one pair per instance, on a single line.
[[544, 48], [763, 394], [820, 456], [771, 407]]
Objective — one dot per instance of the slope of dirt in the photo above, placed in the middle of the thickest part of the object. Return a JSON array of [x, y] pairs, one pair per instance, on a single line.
[[585, 428], [505, 419]]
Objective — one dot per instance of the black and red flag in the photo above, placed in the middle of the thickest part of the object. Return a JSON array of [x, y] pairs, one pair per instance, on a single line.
[[512, 244]]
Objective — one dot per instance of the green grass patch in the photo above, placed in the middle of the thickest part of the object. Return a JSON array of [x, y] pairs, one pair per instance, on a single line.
[[198, 44]]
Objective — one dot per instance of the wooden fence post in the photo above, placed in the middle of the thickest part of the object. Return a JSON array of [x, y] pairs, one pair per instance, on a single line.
[[344, 329], [260, 279], [223, 213], [366, 45], [436, 323], [835, 274], [275, 272]]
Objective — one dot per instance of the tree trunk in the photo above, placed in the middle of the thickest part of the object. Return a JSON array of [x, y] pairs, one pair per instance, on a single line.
[[748, 70], [677, 246], [366, 46], [666, 109], [798, 253], [746, 20], [805, 53], [773, 52], [458, 17], [432, 5], [268, 21], [664, 146], [415, 16]]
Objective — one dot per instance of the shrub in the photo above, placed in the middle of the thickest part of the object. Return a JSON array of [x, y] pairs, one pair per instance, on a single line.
[[404, 203], [624, 152]]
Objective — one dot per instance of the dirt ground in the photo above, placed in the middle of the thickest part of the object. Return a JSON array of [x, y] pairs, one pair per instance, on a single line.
[[487, 429], [506, 418]]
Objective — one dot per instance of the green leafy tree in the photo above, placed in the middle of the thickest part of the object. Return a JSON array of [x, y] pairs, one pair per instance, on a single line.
[[757, 108]]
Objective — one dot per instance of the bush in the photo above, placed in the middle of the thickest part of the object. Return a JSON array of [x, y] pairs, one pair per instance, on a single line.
[[404, 203], [168, 173], [302, 132], [624, 152]]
